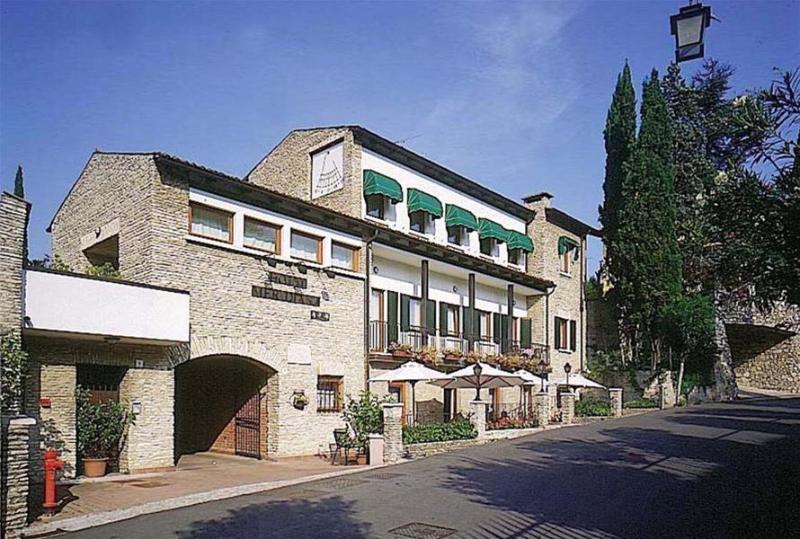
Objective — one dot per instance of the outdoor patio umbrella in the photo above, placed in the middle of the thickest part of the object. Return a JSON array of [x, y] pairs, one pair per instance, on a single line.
[[490, 377], [529, 380], [578, 380], [412, 372]]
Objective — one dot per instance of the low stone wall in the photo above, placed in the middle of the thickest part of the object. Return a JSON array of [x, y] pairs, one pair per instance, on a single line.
[[15, 478], [416, 451]]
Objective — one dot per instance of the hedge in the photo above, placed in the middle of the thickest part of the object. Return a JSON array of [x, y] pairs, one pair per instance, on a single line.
[[589, 407], [459, 429]]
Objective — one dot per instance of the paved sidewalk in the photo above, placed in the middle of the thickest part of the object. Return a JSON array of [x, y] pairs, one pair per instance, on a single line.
[[197, 479]]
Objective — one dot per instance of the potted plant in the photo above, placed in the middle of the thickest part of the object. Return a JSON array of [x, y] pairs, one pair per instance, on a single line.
[[363, 416], [101, 430], [474, 357], [451, 354], [401, 350], [299, 400], [427, 355]]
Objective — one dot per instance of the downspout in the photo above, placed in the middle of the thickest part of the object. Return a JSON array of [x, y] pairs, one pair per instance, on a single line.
[[583, 300], [547, 320], [367, 297]]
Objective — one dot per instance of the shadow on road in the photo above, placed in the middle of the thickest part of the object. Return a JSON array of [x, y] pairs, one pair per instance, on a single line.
[[728, 470]]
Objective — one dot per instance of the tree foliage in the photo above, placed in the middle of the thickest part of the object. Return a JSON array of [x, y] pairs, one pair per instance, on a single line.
[[19, 184], [14, 369]]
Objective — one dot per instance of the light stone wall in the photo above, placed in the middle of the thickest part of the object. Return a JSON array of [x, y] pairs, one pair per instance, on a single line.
[[15, 479], [764, 364], [13, 222], [287, 168], [565, 301]]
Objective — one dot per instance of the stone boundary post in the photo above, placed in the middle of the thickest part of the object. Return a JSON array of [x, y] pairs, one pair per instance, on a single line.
[[615, 393], [375, 449], [478, 417], [16, 433], [393, 449], [567, 407], [541, 403]]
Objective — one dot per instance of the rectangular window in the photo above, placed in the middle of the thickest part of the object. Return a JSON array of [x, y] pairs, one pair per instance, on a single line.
[[344, 256], [421, 222], [489, 247], [453, 322], [562, 333], [210, 223], [485, 325], [516, 257], [376, 206], [414, 317], [566, 261], [457, 235], [306, 247], [329, 394], [262, 236]]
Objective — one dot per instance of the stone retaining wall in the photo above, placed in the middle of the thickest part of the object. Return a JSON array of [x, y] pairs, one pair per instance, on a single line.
[[416, 451], [15, 480]]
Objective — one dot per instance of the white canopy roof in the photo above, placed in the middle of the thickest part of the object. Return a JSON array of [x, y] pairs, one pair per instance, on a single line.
[[577, 380], [411, 371], [530, 379], [491, 377]]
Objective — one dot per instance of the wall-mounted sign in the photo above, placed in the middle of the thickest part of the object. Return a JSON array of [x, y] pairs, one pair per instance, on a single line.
[[288, 280], [327, 170], [320, 315], [284, 295]]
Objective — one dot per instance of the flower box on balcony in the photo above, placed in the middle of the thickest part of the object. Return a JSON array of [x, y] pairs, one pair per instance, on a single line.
[[401, 354]]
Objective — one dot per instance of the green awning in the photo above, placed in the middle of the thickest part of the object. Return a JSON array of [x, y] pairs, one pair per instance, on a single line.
[[490, 229], [457, 216], [421, 201], [376, 183], [565, 244], [517, 240]]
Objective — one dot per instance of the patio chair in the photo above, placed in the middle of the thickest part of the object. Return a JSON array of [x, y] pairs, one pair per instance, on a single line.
[[344, 442]]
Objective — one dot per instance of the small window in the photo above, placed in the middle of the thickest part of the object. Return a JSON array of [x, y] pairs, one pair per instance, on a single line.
[[414, 318], [306, 247], [453, 322], [489, 247], [376, 206], [344, 256], [516, 257], [485, 325], [329, 394], [262, 236], [457, 235], [211, 223], [562, 333], [566, 261], [421, 222]]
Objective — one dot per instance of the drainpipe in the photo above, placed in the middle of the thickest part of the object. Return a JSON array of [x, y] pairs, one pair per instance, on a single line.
[[547, 320], [471, 314], [583, 300], [423, 308], [510, 326], [367, 297]]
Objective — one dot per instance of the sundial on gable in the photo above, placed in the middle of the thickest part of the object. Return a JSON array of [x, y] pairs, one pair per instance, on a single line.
[[327, 170]]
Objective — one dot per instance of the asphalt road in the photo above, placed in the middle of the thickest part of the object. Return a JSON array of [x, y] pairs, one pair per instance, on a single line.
[[722, 470]]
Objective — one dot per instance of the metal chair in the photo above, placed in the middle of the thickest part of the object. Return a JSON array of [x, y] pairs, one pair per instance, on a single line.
[[343, 442]]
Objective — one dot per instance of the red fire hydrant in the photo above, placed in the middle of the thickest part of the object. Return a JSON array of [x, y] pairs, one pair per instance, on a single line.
[[51, 464]]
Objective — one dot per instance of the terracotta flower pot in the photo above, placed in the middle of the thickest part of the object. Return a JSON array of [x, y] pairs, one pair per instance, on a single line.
[[94, 467]]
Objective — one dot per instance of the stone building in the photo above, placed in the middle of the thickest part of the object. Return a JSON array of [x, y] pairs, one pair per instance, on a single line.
[[338, 256]]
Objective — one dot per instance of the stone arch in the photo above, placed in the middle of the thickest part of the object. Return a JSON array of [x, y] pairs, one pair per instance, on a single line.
[[203, 346]]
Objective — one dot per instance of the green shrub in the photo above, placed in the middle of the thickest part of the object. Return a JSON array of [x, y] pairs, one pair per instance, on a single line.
[[591, 407], [104, 270], [101, 426], [13, 369], [364, 416], [458, 429], [641, 403]]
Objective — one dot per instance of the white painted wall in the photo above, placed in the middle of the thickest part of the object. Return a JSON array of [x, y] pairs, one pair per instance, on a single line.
[[67, 303], [447, 195]]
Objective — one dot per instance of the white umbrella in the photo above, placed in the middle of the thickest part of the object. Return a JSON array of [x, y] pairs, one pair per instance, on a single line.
[[412, 372], [530, 379], [578, 380], [490, 377]]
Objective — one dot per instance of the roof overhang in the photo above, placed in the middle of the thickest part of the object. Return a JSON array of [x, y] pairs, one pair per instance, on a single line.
[[570, 224]]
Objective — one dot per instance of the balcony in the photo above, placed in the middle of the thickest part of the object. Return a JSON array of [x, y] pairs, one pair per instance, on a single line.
[[79, 306], [386, 339]]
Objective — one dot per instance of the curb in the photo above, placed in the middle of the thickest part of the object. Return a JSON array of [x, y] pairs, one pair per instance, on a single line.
[[100, 519]]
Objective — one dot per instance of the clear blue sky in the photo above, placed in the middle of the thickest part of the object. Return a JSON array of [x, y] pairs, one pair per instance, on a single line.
[[513, 95]]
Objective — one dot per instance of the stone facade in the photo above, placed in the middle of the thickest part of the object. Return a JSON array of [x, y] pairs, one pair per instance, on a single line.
[[567, 407], [392, 432], [287, 168], [767, 360], [478, 416], [15, 475], [541, 402], [13, 222]]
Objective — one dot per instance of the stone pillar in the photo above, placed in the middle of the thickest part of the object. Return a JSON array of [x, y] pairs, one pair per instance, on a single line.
[[478, 416], [13, 223], [15, 478], [552, 391], [393, 449], [567, 407], [616, 401], [666, 394], [375, 449], [541, 402]]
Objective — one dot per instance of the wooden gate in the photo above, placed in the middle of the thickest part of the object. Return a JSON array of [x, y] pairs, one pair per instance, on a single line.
[[248, 428]]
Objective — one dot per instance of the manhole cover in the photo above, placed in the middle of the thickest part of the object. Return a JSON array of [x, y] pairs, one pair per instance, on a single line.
[[337, 484], [386, 475], [148, 484], [419, 530], [300, 494]]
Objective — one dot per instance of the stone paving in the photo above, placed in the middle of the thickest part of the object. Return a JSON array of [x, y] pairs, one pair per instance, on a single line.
[[205, 474]]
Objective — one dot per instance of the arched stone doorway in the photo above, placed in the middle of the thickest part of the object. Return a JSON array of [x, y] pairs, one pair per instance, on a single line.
[[221, 405]]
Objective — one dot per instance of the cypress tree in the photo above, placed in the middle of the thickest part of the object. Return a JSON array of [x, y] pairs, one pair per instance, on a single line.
[[19, 186], [648, 259]]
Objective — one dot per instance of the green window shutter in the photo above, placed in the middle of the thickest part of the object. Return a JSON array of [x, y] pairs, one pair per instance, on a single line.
[[467, 322], [573, 335], [525, 327], [557, 342], [404, 312], [391, 315], [443, 318], [430, 317], [498, 331], [505, 345]]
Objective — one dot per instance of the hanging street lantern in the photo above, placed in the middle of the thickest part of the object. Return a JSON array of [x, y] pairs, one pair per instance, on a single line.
[[688, 27]]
